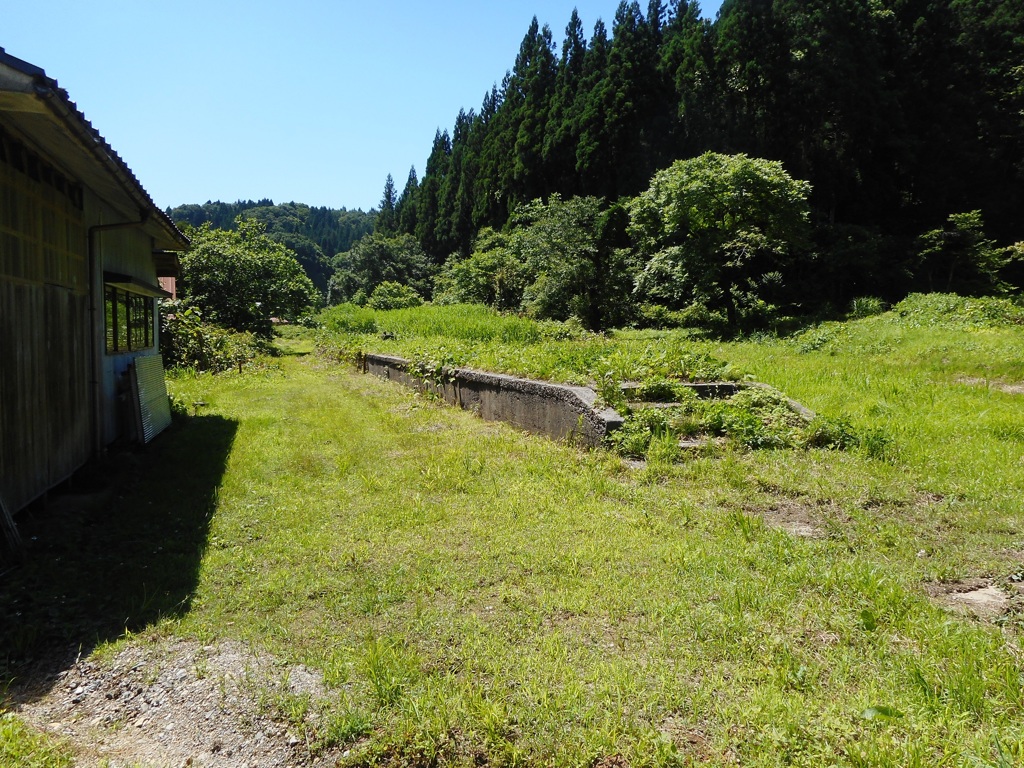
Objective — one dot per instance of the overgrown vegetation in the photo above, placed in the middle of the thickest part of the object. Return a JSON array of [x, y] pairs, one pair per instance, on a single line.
[[188, 342], [472, 594], [234, 285], [475, 336]]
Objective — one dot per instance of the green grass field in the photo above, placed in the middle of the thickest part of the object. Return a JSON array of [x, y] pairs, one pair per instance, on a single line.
[[477, 596]]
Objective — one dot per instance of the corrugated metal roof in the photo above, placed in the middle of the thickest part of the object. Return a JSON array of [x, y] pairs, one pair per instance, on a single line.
[[57, 99]]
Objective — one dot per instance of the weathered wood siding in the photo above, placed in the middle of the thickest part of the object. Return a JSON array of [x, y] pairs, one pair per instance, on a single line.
[[127, 252], [44, 327]]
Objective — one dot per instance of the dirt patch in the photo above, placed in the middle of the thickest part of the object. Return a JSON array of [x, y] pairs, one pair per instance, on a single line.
[[690, 741], [179, 704], [611, 761], [792, 516], [970, 597], [1010, 388]]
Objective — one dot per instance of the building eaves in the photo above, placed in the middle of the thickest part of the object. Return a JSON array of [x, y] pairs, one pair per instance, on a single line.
[[59, 103]]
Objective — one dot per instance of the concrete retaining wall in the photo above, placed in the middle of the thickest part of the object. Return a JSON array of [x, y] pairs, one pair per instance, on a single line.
[[556, 410]]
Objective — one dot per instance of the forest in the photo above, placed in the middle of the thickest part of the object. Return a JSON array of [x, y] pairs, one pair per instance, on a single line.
[[905, 118], [313, 234], [733, 175]]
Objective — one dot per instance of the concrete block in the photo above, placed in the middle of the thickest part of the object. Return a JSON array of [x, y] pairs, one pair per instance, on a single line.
[[556, 410]]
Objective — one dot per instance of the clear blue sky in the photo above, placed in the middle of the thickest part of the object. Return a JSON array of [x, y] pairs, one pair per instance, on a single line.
[[314, 101]]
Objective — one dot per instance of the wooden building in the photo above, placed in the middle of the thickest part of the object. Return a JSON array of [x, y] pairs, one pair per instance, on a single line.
[[82, 246]]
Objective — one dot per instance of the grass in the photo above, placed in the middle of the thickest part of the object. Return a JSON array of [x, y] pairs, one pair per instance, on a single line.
[[477, 337], [21, 747], [473, 595]]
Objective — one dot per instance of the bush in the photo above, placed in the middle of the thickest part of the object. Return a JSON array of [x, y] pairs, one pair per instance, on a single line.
[[349, 318], [923, 310], [186, 341], [664, 390], [834, 434], [391, 295]]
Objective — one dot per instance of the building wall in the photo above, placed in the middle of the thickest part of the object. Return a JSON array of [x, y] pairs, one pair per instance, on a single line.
[[53, 356], [129, 252], [44, 338]]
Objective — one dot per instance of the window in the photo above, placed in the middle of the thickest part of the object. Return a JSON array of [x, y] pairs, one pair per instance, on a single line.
[[129, 320]]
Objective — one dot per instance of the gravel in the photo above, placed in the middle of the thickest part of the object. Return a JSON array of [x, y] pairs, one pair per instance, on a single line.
[[179, 704]]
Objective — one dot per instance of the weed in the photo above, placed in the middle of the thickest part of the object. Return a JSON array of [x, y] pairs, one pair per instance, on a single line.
[[639, 429], [389, 671], [866, 306], [22, 747], [343, 726]]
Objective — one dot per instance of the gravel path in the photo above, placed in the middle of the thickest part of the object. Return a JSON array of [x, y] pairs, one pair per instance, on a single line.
[[176, 704]]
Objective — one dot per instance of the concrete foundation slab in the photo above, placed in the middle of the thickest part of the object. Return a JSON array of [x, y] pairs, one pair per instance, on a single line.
[[556, 410]]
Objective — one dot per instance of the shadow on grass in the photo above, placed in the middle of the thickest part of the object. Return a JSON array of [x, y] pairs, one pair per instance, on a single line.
[[117, 550]]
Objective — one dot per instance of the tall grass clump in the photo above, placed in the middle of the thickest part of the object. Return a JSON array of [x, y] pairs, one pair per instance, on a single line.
[[470, 322], [349, 318]]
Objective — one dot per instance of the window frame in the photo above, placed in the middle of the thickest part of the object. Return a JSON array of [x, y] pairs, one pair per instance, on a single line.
[[129, 318]]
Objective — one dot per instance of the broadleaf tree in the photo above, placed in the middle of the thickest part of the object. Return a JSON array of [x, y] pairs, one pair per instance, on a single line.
[[242, 278], [718, 231]]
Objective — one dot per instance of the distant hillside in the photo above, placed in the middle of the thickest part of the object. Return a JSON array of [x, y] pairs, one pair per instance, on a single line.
[[315, 234]]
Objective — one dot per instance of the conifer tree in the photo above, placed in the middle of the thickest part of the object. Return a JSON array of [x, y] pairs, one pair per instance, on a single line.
[[405, 210], [428, 198], [588, 116], [532, 86], [455, 214], [560, 136], [387, 221], [490, 204]]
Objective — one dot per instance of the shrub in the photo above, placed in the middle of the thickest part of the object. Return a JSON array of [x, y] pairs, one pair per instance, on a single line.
[[664, 390], [650, 315], [634, 437], [349, 318], [835, 434], [392, 295], [186, 341], [922, 310]]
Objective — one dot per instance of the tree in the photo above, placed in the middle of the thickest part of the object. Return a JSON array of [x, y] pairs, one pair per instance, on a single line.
[[558, 245], [240, 279], [387, 219], [405, 209], [491, 275], [428, 198], [560, 136], [455, 206], [718, 231], [959, 258], [588, 123], [377, 259], [528, 98], [558, 260]]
